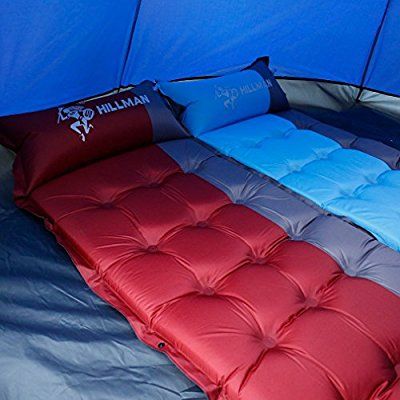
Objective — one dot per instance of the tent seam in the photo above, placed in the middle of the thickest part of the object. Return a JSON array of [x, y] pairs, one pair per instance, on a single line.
[[129, 47], [372, 52]]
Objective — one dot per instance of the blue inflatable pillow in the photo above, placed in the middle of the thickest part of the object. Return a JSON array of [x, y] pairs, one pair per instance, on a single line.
[[212, 103]]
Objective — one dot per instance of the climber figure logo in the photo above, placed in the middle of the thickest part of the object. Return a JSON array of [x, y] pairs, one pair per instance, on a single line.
[[82, 115], [229, 96]]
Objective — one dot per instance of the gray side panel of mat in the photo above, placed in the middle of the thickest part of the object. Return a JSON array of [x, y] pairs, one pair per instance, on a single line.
[[165, 125]]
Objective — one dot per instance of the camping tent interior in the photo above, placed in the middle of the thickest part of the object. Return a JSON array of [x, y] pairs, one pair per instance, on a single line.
[[337, 61]]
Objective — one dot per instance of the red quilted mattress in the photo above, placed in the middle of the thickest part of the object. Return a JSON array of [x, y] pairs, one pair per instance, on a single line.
[[253, 293]]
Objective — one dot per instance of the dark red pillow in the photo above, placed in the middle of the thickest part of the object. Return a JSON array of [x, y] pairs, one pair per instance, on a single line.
[[52, 142]]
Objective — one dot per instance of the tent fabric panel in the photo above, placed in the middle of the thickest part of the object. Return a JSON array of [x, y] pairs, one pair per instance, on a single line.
[[321, 40], [383, 73], [56, 52]]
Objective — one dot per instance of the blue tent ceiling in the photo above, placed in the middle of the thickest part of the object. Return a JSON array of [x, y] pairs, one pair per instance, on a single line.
[[60, 51]]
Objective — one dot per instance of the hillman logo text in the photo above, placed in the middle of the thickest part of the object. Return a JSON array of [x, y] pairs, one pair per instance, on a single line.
[[231, 95], [81, 115], [122, 104]]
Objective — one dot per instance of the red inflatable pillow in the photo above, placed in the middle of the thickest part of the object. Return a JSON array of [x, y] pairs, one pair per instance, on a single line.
[[52, 142]]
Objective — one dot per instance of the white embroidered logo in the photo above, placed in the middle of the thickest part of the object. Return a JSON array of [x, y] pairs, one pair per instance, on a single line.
[[82, 115]]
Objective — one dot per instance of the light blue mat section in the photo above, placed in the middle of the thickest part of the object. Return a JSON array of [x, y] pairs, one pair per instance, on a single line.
[[346, 182]]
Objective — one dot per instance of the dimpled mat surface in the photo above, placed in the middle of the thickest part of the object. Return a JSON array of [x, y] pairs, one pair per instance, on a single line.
[[348, 177], [250, 291]]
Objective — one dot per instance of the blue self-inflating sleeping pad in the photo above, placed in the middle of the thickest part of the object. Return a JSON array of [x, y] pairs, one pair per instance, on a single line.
[[344, 181]]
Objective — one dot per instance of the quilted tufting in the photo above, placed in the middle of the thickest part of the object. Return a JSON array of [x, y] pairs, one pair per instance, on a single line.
[[236, 280], [345, 181]]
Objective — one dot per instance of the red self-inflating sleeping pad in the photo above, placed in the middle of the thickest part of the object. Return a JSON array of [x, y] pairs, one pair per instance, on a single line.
[[249, 307]]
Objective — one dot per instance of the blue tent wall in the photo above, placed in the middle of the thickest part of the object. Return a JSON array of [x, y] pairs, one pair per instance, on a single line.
[[53, 52], [64, 50], [384, 71], [328, 39]]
